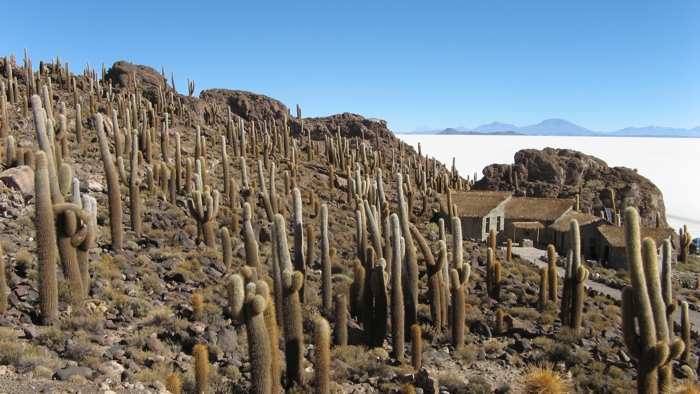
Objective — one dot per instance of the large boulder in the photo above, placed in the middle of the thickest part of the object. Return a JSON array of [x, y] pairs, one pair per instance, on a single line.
[[563, 173], [20, 178]]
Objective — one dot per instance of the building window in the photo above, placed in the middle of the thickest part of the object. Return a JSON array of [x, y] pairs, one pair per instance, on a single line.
[[488, 224], [498, 223]]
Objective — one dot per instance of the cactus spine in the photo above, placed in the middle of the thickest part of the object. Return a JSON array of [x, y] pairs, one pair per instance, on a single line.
[[322, 355], [642, 307]]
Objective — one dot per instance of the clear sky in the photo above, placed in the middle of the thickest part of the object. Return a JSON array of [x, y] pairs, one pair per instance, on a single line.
[[603, 65]]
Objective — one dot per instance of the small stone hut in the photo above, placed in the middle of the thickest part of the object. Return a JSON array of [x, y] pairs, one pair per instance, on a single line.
[[530, 218], [478, 210], [612, 247], [588, 229]]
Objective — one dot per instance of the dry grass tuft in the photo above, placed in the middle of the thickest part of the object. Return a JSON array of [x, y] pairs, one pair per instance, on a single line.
[[543, 379], [683, 387]]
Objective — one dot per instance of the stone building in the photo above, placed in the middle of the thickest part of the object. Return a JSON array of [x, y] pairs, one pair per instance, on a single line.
[[530, 218], [612, 245], [479, 211], [588, 229]]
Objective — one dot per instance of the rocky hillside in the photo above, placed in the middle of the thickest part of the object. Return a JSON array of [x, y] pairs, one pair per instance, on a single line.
[[564, 173], [156, 242]]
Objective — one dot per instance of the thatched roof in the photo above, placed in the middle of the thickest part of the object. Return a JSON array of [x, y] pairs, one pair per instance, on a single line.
[[544, 209], [474, 203], [564, 222], [615, 235], [528, 225]]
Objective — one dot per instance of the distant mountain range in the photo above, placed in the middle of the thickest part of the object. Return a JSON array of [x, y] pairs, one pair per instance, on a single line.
[[561, 127]]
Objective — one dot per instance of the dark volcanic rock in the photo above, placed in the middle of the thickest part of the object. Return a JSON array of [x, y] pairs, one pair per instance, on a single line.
[[559, 173]]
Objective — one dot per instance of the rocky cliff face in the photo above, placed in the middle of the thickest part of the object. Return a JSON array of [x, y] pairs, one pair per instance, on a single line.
[[563, 173]]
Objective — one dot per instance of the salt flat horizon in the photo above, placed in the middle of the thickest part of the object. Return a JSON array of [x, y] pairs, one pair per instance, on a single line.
[[666, 162]]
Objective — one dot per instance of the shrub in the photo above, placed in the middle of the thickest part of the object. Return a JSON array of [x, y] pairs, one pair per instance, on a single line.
[[543, 379]]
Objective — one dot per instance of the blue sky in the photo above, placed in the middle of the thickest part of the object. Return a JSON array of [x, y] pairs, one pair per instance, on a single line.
[[603, 65]]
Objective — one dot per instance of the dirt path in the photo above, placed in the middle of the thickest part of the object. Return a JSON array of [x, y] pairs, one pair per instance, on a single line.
[[533, 255]]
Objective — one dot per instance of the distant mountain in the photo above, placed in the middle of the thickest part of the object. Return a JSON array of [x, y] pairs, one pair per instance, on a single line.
[[451, 131], [562, 127], [495, 127], [429, 130], [555, 127], [656, 131]]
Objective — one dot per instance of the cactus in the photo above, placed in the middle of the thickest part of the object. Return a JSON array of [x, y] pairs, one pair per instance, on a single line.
[[322, 355], [173, 384], [291, 282], [299, 264], [264, 196], [643, 307], [226, 250], [416, 347], [249, 242], [685, 239], [509, 250], [248, 304], [83, 252], [46, 241], [543, 288], [579, 274], [685, 331], [459, 276], [203, 207], [356, 292], [326, 286], [3, 284], [197, 307], [397, 295], [498, 327], [378, 282], [340, 331], [134, 182], [493, 274], [411, 287], [553, 275], [567, 291], [434, 270], [666, 284], [201, 368], [115, 202]]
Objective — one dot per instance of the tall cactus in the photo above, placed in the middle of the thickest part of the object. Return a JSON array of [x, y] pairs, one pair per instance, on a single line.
[[248, 305], [459, 276], [411, 286], [553, 275], [340, 331], [434, 269], [378, 283], [115, 202], [46, 242], [3, 284], [397, 297], [322, 355], [203, 208], [685, 240], [326, 285], [579, 274], [291, 282], [249, 242], [643, 308], [299, 263]]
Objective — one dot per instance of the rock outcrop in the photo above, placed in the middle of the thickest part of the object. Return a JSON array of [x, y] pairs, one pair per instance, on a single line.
[[563, 173]]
